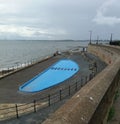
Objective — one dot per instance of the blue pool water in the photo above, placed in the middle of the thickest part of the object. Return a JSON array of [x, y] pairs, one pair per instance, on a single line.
[[54, 75]]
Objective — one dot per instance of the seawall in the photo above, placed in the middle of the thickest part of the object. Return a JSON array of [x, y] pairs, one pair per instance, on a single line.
[[91, 104]]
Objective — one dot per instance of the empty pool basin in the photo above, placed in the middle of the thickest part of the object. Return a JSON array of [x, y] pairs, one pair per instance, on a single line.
[[55, 74]]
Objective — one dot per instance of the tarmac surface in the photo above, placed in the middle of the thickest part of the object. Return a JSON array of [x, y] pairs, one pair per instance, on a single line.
[[9, 85]]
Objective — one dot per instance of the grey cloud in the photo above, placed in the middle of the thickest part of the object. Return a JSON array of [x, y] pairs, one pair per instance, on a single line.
[[52, 19], [104, 15]]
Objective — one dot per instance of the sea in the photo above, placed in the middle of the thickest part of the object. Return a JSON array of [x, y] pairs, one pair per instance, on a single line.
[[17, 52]]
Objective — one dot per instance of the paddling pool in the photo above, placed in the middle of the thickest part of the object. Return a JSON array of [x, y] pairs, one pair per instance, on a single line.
[[55, 74]]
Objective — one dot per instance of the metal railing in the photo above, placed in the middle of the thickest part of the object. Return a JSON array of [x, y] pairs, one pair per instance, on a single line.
[[17, 110], [18, 66]]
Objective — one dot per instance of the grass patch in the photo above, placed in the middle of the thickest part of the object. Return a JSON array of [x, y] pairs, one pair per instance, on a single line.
[[111, 113], [117, 94]]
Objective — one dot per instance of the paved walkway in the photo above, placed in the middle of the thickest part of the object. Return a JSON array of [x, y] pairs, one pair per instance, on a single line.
[[9, 87], [35, 118]]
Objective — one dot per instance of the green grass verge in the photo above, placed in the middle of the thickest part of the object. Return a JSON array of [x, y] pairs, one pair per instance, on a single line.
[[111, 114], [112, 109], [117, 94]]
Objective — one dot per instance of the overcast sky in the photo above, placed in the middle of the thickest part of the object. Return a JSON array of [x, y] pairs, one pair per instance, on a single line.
[[59, 19]]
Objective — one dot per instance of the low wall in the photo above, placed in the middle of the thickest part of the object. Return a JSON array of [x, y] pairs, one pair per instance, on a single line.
[[90, 105]]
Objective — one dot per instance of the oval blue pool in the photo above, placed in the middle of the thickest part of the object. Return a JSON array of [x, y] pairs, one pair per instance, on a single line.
[[55, 74]]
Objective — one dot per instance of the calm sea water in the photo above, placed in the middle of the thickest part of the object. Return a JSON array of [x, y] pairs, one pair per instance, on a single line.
[[18, 52]]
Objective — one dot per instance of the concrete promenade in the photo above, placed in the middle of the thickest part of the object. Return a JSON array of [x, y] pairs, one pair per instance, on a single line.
[[9, 85], [91, 104], [9, 93]]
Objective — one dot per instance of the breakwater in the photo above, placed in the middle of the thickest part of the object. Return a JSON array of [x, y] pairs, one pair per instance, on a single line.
[[91, 104]]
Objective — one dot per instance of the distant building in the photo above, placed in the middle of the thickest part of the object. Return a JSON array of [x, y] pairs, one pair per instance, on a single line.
[[117, 42]]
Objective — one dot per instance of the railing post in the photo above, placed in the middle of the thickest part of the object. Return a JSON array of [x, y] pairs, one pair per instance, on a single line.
[[2, 72], [90, 76], [69, 90], [60, 95], [76, 86], [34, 105], [49, 100], [8, 70], [16, 111], [86, 79], [81, 82]]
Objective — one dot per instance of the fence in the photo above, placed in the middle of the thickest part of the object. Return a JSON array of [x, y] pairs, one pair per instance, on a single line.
[[31, 62], [17, 110], [18, 66]]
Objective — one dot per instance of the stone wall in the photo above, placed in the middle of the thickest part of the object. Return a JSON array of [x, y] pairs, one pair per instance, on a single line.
[[106, 53], [90, 105]]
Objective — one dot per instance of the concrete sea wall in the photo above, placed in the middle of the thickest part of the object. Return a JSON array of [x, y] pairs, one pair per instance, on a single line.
[[91, 104], [109, 54]]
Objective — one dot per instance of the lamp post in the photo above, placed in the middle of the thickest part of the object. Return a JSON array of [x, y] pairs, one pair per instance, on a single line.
[[97, 39], [111, 37], [90, 36]]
